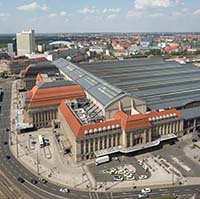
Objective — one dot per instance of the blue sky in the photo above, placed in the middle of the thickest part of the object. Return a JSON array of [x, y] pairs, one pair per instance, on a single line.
[[100, 15]]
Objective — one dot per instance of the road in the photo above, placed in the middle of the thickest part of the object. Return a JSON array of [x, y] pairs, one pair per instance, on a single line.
[[12, 168]]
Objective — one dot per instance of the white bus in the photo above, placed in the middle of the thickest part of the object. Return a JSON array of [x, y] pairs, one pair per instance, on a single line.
[[102, 160], [41, 141]]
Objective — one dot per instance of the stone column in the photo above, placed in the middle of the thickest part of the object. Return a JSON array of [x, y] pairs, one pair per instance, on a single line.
[[144, 134]]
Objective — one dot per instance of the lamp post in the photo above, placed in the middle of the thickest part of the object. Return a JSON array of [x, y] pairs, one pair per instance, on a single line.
[[37, 163], [17, 148]]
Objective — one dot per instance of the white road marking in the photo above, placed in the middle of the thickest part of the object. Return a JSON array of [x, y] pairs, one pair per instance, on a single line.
[[56, 196]]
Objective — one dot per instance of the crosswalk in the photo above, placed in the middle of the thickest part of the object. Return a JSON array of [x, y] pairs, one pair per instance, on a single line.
[[100, 195]]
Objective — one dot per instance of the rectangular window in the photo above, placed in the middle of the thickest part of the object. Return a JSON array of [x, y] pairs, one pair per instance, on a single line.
[[91, 145], [82, 147], [96, 144], [86, 146], [101, 143], [105, 142], [109, 141]]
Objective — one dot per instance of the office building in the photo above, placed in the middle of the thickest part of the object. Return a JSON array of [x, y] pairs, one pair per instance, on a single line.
[[25, 42]]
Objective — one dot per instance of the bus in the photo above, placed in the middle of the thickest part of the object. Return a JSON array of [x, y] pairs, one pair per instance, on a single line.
[[102, 160]]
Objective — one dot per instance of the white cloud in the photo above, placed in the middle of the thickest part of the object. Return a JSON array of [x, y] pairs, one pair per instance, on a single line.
[[4, 14], [66, 20], [32, 6], [155, 15], [135, 14], [145, 4], [110, 10], [197, 12], [112, 16], [52, 15], [144, 14], [62, 13], [88, 10]]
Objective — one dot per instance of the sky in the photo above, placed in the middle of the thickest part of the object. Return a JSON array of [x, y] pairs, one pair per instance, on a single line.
[[56, 16]]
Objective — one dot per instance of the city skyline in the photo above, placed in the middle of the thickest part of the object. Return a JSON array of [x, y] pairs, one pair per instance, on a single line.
[[100, 16]]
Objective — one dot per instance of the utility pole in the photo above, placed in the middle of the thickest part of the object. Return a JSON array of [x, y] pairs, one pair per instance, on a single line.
[[173, 175], [17, 145]]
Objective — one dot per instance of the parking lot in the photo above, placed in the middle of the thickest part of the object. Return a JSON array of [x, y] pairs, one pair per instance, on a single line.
[[128, 169]]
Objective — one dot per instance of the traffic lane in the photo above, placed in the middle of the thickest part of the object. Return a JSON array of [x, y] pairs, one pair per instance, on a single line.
[[172, 191], [16, 167]]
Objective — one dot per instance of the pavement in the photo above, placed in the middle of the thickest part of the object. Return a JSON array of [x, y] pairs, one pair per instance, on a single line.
[[12, 168]]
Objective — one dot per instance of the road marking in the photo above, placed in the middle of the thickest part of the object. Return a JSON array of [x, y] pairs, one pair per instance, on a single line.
[[33, 191], [56, 196], [85, 196], [165, 194]]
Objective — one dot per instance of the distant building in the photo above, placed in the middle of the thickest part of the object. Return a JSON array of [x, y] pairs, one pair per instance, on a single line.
[[30, 73], [97, 49], [10, 49], [25, 42]]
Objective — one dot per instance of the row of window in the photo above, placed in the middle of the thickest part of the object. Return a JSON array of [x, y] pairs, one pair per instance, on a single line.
[[94, 144]]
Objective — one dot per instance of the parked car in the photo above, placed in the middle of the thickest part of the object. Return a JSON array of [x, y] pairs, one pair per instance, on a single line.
[[140, 162], [5, 143], [146, 190], [114, 158], [118, 178], [8, 157], [194, 140], [20, 179]]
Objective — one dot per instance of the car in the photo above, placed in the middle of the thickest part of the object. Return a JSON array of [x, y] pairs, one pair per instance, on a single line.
[[118, 178], [146, 190], [5, 143], [7, 129], [34, 181], [172, 143], [114, 158], [8, 157], [42, 180], [64, 190], [194, 140], [20, 179], [143, 195], [142, 177], [140, 162]]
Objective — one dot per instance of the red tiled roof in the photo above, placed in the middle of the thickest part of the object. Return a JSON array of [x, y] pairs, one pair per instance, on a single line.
[[141, 120], [54, 95], [78, 128], [133, 121]]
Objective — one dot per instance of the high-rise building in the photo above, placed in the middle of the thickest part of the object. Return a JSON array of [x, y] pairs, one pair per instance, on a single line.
[[25, 42], [10, 49]]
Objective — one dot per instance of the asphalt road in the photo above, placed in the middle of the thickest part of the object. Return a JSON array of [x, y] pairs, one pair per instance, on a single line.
[[12, 168]]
